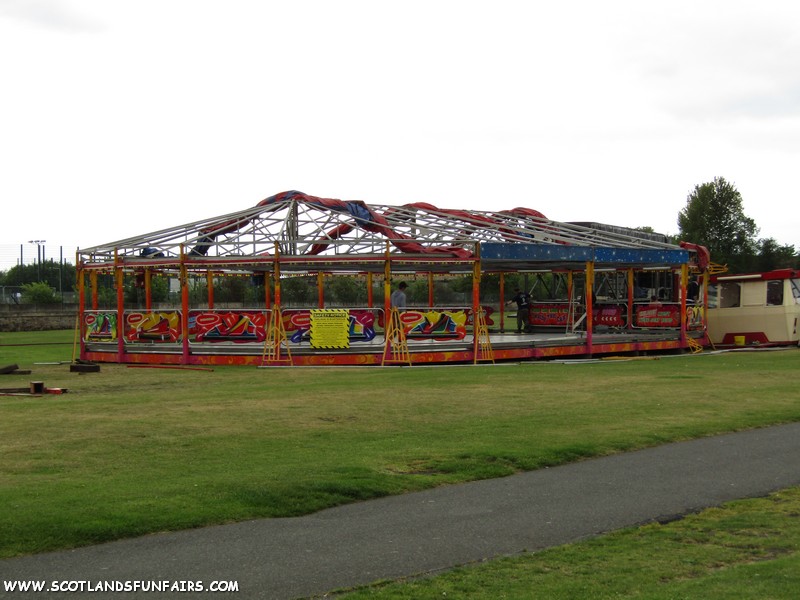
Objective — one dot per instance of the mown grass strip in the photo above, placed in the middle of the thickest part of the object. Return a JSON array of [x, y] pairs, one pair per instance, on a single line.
[[745, 549]]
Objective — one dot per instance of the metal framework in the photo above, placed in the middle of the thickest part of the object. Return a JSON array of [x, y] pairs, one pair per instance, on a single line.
[[310, 227], [293, 233]]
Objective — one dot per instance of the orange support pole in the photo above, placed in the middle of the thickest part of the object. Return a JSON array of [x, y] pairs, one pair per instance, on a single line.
[[570, 301], [276, 274], [370, 299], [589, 302], [631, 299], [148, 290], [93, 284], [210, 288], [430, 289], [502, 302]]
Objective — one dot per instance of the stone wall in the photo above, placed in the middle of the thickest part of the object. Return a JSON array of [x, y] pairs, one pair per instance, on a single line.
[[29, 317]]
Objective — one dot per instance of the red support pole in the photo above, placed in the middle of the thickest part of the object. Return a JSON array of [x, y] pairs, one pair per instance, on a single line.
[[476, 297], [119, 280], [184, 279], [684, 282]]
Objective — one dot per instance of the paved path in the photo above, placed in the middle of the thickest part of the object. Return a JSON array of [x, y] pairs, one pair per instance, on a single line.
[[440, 528]]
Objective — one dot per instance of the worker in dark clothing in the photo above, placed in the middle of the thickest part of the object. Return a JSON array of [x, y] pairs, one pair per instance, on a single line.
[[523, 301]]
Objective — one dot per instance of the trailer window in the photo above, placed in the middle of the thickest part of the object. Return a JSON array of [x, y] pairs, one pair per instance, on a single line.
[[730, 295], [775, 293], [796, 290]]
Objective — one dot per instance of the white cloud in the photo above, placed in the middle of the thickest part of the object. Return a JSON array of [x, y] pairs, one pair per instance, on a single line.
[[50, 14]]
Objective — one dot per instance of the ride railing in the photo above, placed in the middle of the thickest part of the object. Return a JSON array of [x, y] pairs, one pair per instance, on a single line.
[[242, 326], [614, 315]]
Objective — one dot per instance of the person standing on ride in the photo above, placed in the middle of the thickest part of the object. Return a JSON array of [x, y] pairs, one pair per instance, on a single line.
[[398, 298], [523, 301]]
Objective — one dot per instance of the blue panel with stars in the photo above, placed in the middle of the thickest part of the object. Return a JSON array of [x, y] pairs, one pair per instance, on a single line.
[[646, 256], [535, 252], [563, 253]]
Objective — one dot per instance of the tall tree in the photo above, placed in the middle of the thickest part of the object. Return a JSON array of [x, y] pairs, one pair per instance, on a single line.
[[714, 217]]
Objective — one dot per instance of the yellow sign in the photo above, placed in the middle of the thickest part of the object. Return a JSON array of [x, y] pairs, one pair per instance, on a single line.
[[330, 328]]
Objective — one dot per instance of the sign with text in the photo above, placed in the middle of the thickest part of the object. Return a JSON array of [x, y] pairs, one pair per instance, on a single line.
[[330, 328], [668, 315]]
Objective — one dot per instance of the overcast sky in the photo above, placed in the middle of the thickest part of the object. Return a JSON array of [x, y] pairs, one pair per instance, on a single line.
[[119, 118]]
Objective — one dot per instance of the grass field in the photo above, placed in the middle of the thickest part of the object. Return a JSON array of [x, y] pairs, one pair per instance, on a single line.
[[129, 451]]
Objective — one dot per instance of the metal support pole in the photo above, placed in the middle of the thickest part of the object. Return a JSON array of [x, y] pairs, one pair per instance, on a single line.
[[184, 279], [502, 302], [81, 304], [119, 280], [387, 285], [684, 282], [589, 302], [276, 274], [476, 298], [148, 289], [631, 299], [210, 288]]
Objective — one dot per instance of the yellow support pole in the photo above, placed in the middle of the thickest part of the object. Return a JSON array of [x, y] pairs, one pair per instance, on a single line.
[[395, 349], [275, 340], [484, 342]]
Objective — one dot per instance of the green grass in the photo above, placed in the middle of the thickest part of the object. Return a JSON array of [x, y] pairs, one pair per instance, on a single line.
[[130, 451]]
